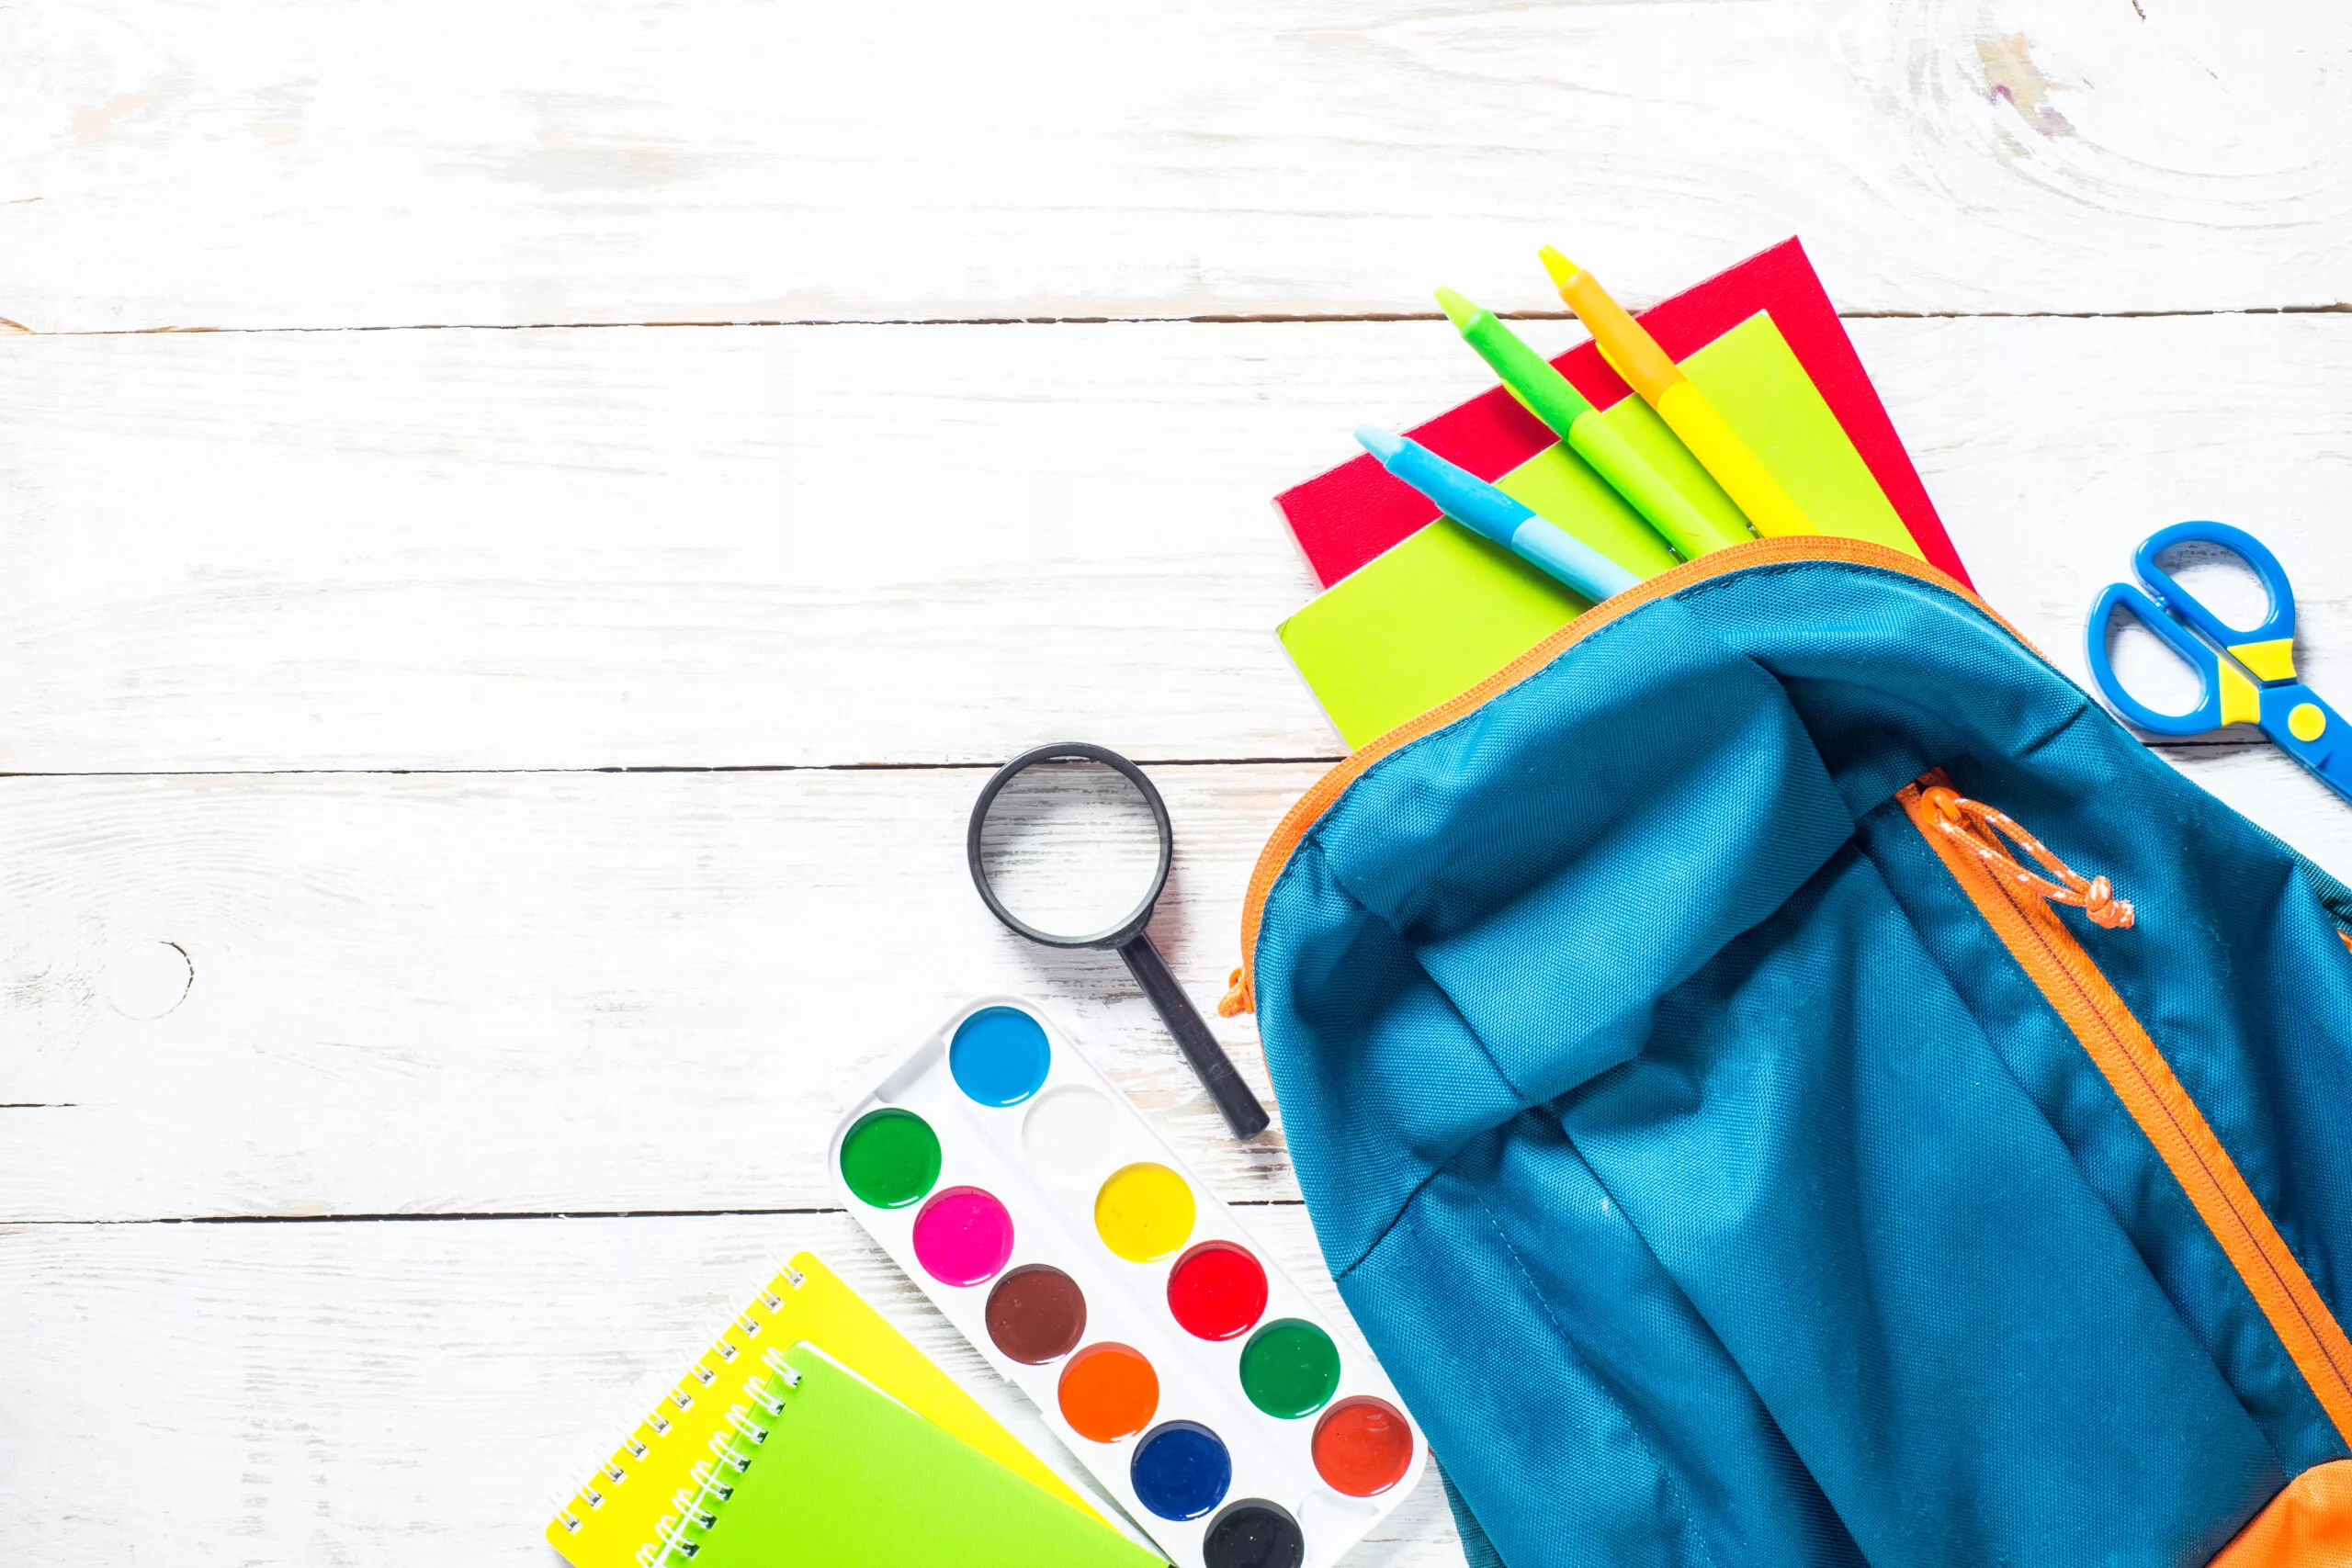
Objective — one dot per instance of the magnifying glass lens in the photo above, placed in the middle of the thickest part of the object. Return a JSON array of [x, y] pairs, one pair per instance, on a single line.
[[1070, 848]]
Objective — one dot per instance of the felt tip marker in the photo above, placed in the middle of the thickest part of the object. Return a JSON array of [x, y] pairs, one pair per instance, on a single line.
[[1553, 399], [1635, 356], [1481, 508]]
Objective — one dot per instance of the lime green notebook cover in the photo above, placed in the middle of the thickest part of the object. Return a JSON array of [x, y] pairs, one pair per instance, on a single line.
[[1444, 609], [818, 1465]]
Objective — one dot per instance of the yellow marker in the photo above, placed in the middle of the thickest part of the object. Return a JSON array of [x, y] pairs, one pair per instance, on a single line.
[[1144, 1211], [1635, 356]]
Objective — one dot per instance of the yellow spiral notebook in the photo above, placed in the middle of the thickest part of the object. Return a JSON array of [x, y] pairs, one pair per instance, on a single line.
[[817, 1466], [621, 1507]]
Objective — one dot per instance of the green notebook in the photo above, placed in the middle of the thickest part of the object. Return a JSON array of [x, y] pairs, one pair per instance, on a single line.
[[1443, 609], [818, 1465]]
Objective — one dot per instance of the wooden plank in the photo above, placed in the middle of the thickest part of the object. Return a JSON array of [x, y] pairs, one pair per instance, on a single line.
[[567, 993], [532, 993], [728, 547], [268, 164], [355, 1392]]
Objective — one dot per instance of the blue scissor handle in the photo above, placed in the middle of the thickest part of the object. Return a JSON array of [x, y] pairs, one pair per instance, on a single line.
[[2280, 622], [2207, 715]]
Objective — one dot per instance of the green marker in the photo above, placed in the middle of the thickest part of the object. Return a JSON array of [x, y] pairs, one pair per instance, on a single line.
[[1549, 396]]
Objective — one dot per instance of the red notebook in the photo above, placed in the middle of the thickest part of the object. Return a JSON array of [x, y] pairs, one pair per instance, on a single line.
[[1349, 515]]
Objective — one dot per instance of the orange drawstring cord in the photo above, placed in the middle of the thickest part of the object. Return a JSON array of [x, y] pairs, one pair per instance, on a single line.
[[1955, 813]]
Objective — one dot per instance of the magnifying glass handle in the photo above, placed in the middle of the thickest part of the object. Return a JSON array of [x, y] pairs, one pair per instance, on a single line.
[[1242, 1112]]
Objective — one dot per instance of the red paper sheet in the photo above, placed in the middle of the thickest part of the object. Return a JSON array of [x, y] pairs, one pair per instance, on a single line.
[[1345, 517]]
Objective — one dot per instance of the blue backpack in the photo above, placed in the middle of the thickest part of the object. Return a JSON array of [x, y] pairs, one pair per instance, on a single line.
[[1783, 1080]]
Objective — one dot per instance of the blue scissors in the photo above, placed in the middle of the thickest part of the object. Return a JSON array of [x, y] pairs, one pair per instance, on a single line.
[[2246, 674]]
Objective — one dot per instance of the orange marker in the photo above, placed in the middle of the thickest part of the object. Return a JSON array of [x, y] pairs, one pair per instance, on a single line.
[[1635, 356]]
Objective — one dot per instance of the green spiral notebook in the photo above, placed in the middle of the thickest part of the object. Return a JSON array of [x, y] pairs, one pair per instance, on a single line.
[[814, 1464]]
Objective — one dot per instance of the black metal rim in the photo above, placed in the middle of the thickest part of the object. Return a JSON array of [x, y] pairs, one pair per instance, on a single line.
[[1060, 751]]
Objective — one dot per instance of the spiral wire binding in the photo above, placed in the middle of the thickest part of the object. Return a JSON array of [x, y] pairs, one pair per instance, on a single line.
[[680, 1536], [612, 1471]]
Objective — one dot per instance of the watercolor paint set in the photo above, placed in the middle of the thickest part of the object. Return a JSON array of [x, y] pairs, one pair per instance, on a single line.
[[1076, 1252]]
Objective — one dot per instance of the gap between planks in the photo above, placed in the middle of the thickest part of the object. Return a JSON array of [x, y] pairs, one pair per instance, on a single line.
[[1261, 318], [647, 768], [2196, 746], [381, 1219]]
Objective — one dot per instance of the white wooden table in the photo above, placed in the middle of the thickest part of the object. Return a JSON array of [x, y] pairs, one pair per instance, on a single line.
[[523, 526]]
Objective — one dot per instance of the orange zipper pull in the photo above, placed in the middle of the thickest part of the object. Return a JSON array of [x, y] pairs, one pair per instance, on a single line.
[[1237, 999], [1973, 824]]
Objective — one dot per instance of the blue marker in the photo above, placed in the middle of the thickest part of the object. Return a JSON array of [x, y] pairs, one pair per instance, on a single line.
[[1481, 508]]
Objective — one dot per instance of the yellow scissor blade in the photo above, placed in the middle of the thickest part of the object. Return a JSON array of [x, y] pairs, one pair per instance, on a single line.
[[2272, 661], [2241, 698]]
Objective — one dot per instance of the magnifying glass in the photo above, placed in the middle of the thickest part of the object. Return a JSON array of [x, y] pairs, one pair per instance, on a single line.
[[1070, 845]]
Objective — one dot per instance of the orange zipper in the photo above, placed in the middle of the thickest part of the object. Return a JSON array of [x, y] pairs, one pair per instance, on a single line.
[[2067, 976], [1326, 790]]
